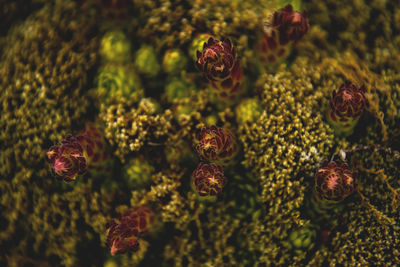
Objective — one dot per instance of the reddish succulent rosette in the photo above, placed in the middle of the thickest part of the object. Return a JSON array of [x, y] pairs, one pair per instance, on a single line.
[[220, 66], [287, 27], [208, 179], [216, 145], [93, 143], [347, 103], [78, 153], [123, 234], [68, 160], [334, 181], [291, 25]]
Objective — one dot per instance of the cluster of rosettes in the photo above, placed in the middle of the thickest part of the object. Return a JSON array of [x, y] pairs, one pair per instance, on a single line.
[[217, 146], [123, 233], [76, 153], [285, 29], [333, 181], [346, 107], [220, 66]]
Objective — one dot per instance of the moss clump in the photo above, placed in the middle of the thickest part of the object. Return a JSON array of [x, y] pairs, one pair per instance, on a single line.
[[44, 80], [129, 129]]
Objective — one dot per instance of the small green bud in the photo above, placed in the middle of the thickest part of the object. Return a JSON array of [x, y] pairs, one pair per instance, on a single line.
[[248, 110], [211, 120], [115, 47], [138, 172], [146, 61], [303, 239], [118, 80], [174, 61], [178, 89]]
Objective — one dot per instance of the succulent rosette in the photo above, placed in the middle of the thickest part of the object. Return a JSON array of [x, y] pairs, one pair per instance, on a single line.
[[76, 154], [346, 107], [208, 179], [222, 69], [216, 145], [119, 239], [285, 29], [68, 159], [333, 181], [94, 145], [123, 233]]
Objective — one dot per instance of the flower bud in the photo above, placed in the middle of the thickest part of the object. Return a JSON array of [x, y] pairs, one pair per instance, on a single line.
[[208, 179], [346, 107], [285, 29], [216, 145], [68, 159], [333, 181], [220, 66]]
